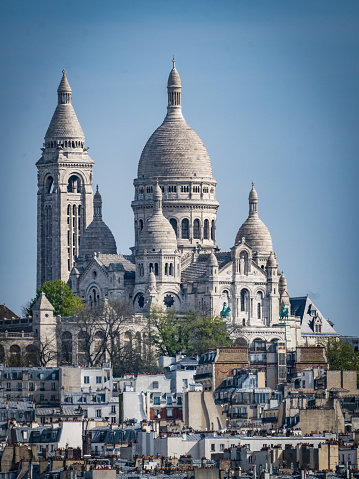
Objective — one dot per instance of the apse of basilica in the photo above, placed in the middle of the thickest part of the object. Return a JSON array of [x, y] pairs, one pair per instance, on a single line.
[[175, 261]]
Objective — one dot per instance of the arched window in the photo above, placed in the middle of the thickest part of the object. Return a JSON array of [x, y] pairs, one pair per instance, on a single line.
[[2, 354], [259, 299], [138, 343], [32, 355], [244, 300], [141, 225], [166, 269], [49, 185], [66, 347], [15, 356], [196, 229], [156, 269], [213, 231], [83, 344], [206, 229], [127, 341], [185, 228], [173, 222], [94, 296], [171, 270], [74, 184], [99, 345]]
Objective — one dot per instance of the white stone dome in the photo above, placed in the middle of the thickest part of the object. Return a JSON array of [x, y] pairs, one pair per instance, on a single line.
[[254, 230], [174, 149], [97, 237], [157, 233]]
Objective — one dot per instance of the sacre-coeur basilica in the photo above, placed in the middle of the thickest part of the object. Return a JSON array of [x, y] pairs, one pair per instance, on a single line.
[[175, 263]]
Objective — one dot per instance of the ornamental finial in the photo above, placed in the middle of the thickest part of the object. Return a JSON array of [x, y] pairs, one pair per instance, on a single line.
[[96, 188], [174, 62], [64, 72], [252, 184]]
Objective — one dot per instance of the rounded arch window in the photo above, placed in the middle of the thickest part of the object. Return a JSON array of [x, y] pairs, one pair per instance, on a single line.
[[94, 274], [258, 345], [74, 184], [173, 222], [49, 186], [141, 225], [196, 229], [244, 300], [213, 230], [185, 228], [66, 347], [206, 229]]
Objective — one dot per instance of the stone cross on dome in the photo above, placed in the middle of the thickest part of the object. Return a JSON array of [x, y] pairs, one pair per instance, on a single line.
[[174, 61]]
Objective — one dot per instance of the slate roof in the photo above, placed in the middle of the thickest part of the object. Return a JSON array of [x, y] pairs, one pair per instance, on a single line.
[[198, 268], [6, 313], [114, 436], [37, 435], [304, 307]]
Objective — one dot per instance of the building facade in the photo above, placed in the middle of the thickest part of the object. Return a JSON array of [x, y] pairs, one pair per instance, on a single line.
[[175, 261]]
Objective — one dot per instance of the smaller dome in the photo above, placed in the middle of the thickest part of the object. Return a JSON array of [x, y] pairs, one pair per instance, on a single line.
[[212, 260], [174, 79], [271, 263], [253, 195], [97, 238], [282, 284], [254, 230], [64, 84], [157, 233], [152, 278]]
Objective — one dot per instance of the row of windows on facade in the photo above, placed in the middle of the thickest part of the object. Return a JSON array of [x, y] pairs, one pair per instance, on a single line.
[[173, 189], [153, 267], [185, 228], [30, 386], [30, 398], [169, 400], [64, 144]]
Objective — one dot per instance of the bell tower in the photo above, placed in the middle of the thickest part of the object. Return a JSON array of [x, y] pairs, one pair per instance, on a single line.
[[64, 197]]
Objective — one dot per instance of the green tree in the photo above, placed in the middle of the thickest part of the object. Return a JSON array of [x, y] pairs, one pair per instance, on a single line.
[[341, 355], [60, 296], [193, 332]]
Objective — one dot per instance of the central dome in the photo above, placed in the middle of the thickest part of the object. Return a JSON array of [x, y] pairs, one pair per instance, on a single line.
[[174, 149]]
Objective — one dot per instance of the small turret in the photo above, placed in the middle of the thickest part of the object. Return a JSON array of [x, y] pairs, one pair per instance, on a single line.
[[97, 204], [282, 286], [253, 201], [174, 108], [212, 265]]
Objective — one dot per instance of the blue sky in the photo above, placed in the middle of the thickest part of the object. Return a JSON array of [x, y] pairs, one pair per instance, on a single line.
[[271, 87]]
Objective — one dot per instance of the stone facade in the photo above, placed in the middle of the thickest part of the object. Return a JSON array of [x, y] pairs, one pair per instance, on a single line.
[[175, 261]]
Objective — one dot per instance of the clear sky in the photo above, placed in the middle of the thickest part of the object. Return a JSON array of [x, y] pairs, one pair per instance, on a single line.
[[271, 87]]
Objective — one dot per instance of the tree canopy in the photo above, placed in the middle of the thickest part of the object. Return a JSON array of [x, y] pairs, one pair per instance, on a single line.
[[341, 355], [60, 296], [191, 333]]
